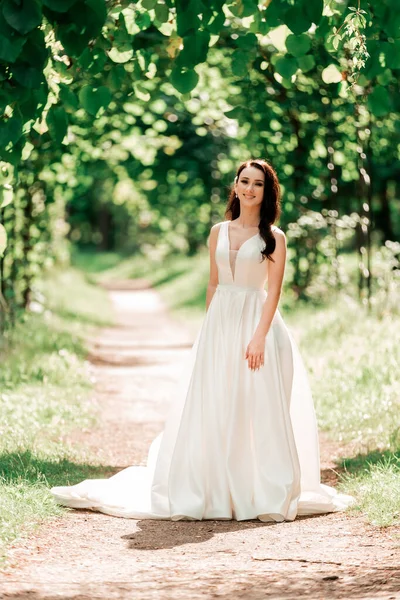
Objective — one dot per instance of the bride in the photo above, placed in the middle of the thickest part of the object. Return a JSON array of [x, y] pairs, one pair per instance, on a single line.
[[241, 439]]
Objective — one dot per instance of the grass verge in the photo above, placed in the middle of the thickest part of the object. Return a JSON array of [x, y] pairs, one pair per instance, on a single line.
[[353, 360], [45, 392], [374, 480]]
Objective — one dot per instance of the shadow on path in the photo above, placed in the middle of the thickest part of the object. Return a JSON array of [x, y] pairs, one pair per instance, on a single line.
[[15, 466]]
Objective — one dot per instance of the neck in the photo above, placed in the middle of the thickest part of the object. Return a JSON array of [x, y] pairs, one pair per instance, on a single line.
[[248, 217]]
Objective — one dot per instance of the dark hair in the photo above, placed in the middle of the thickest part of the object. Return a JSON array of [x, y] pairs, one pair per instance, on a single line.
[[270, 207]]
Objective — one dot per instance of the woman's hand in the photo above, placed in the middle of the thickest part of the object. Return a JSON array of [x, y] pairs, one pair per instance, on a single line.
[[255, 352]]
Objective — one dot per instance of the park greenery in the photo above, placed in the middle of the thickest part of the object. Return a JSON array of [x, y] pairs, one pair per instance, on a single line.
[[46, 392], [122, 124]]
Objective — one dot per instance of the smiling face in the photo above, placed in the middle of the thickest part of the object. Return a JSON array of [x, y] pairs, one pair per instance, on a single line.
[[250, 187]]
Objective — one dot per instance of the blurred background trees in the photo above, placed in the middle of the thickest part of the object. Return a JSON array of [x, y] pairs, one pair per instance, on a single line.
[[123, 124]]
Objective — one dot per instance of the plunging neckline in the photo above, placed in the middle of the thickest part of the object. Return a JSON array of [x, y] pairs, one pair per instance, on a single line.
[[243, 243], [233, 271]]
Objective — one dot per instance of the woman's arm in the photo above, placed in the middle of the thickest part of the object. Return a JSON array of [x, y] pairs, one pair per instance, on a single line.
[[276, 271], [213, 280]]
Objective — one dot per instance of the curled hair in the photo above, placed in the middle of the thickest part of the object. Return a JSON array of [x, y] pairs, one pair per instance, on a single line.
[[271, 204]]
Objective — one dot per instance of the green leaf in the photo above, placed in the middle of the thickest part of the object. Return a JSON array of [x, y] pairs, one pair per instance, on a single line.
[[297, 20], [93, 60], [259, 25], [286, 66], [149, 4], [313, 9], [195, 49], [72, 40], [142, 20], [35, 52], [247, 42], [298, 45], [24, 15], [379, 101], [10, 131], [6, 195], [287, 83], [187, 21], [10, 48], [93, 99], [99, 12], [27, 150], [242, 8], [240, 61], [385, 77], [115, 78], [234, 113], [122, 54], [59, 5], [184, 81], [3, 239], [34, 102], [141, 91], [68, 99], [13, 154], [274, 14], [162, 13], [374, 65], [392, 54], [216, 22], [392, 24], [331, 74], [306, 63], [78, 28], [57, 122], [27, 75], [121, 35], [336, 41]]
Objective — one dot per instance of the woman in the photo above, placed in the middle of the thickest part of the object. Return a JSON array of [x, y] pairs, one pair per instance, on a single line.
[[241, 438]]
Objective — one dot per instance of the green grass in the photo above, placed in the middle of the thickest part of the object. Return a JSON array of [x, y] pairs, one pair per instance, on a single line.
[[352, 357], [375, 481], [45, 392], [353, 360]]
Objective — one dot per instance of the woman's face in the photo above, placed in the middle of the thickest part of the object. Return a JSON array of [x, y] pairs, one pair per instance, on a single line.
[[250, 187]]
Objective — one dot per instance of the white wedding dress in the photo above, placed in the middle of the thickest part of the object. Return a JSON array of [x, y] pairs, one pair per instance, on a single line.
[[237, 444]]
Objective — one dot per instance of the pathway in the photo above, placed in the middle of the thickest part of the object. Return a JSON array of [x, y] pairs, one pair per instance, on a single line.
[[86, 555]]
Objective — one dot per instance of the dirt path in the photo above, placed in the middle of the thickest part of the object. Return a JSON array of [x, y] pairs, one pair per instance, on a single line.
[[86, 555]]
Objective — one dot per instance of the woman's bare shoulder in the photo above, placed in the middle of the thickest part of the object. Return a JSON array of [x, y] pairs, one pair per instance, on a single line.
[[216, 227], [214, 231], [280, 237], [278, 232]]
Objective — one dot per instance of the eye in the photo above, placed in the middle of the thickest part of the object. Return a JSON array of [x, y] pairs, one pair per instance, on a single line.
[[245, 181]]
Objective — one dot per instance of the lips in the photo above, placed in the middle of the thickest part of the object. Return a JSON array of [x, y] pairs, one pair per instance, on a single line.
[[249, 197]]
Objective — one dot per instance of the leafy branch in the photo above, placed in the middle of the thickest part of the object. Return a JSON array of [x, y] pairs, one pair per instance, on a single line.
[[354, 22]]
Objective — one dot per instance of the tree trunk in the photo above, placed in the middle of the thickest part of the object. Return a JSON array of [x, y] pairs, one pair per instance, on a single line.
[[27, 247], [384, 217]]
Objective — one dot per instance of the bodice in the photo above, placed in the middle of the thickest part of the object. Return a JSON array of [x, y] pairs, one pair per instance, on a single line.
[[244, 267]]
